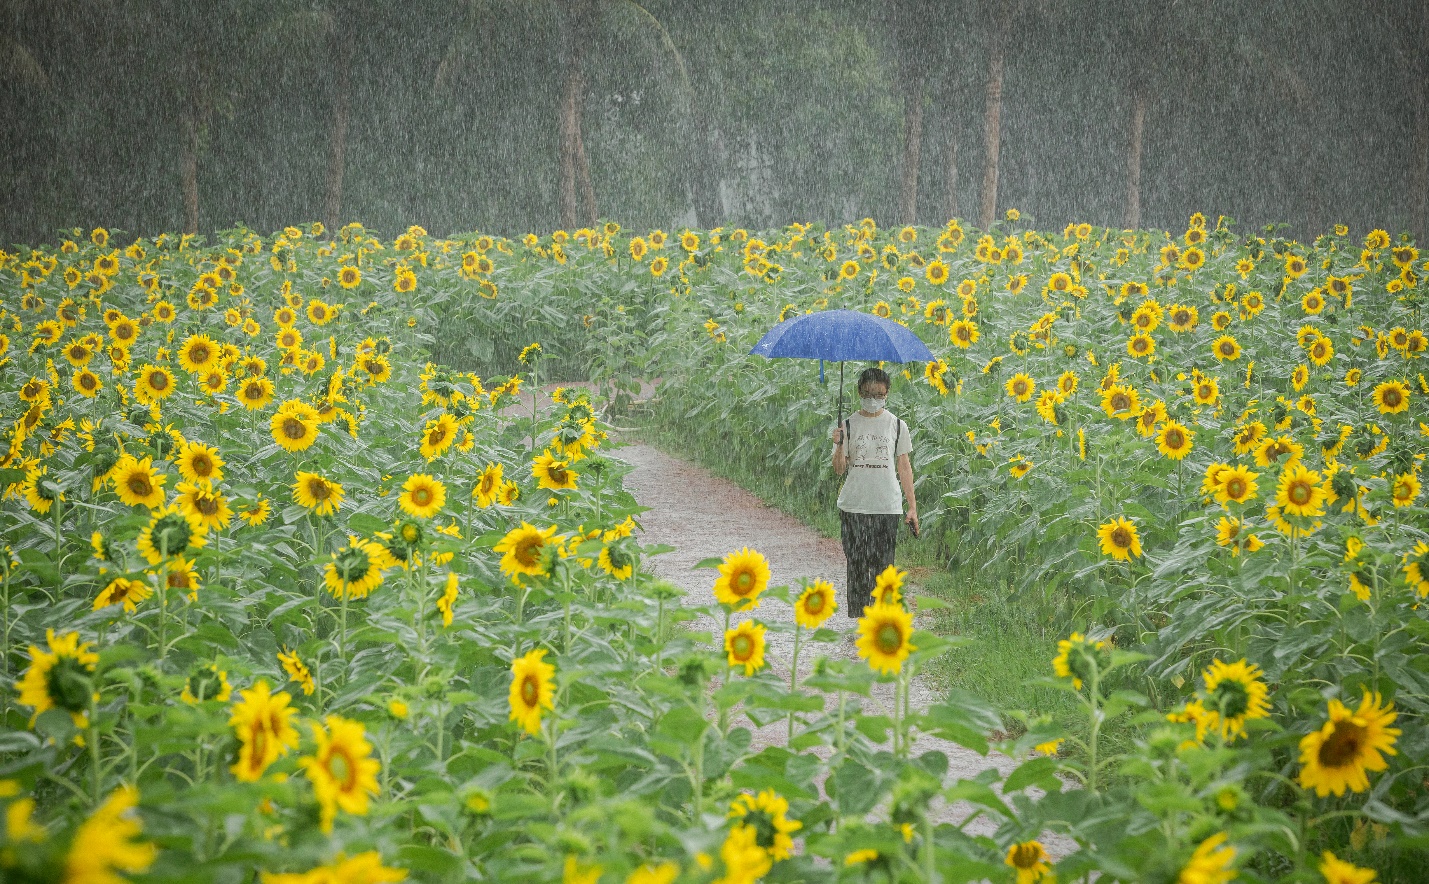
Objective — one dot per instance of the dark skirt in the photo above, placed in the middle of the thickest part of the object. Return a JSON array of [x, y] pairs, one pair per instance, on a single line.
[[869, 540]]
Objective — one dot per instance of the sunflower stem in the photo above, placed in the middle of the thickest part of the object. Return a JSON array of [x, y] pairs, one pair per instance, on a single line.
[[794, 678], [94, 749], [163, 610]]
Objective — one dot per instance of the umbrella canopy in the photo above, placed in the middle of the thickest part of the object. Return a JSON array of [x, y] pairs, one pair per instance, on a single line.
[[840, 335]]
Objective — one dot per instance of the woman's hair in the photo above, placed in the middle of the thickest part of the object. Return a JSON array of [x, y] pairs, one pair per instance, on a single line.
[[874, 375]]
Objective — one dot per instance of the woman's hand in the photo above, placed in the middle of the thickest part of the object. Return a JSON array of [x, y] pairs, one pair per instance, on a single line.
[[838, 435], [912, 518]]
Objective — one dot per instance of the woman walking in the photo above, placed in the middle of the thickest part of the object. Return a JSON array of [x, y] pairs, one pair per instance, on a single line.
[[873, 446]]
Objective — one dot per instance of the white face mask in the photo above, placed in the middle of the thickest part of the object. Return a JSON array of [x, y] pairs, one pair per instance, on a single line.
[[871, 405]]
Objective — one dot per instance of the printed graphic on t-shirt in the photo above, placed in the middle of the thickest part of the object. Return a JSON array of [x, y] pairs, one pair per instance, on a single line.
[[870, 450]]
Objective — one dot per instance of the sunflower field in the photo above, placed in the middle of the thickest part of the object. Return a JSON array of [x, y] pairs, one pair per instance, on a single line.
[[296, 587]]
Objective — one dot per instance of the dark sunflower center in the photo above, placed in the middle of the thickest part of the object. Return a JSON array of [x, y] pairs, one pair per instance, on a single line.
[[201, 465], [530, 691], [528, 550], [1299, 493], [742, 647], [422, 496], [1025, 856], [319, 490], [1174, 439], [1391, 397], [139, 485], [294, 428], [814, 603], [199, 355], [1121, 538], [889, 638], [343, 768], [1235, 488], [742, 583], [206, 505], [1343, 746], [1120, 402], [158, 381], [87, 381]]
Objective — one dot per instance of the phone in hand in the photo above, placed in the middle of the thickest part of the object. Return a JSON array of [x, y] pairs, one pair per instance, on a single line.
[[911, 527]]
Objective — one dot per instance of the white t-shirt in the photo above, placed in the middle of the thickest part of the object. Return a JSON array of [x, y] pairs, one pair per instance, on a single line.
[[871, 485]]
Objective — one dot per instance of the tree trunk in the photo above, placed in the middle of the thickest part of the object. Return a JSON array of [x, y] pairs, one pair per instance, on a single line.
[[709, 205], [912, 145], [992, 122], [188, 168], [950, 156], [1419, 212], [1133, 159], [576, 194], [337, 134]]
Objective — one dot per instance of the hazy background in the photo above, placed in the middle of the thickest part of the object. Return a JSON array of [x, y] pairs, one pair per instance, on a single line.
[[517, 115]]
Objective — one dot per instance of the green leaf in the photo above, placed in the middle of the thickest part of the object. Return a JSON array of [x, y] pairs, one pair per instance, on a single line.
[[1041, 772]]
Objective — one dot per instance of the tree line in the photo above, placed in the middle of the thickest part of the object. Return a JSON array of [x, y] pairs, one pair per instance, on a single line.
[[514, 115]]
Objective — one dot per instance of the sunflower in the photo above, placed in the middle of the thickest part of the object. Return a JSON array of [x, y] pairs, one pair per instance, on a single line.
[[1405, 489], [1140, 344], [848, 269], [765, 815], [963, 333], [1235, 694], [349, 276], [138, 483], [1226, 348], [170, 533], [321, 313], [1078, 657], [104, 844], [1391, 397], [183, 576], [256, 514], [936, 272], [1321, 351], [318, 494], [422, 496], [341, 769], [255, 393], [199, 463], [522, 550], [1020, 387], [1300, 492], [1337, 871], [1235, 485], [884, 637], [1416, 568], [288, 339], [59, 678], [438, 435], [1210, 863], [1174, 440], [488, 485], [1206, 391], [532, 689], [198, 353], [1121, 401], [1278, 449], [293, 430], [124, 332], [1229, 533], [1067, 383], [87, 383], [1313, 303], [155, 383], [616, 560], [815, 604], [1119, 539], [743, 575], [552, 473], [744, 646], [206, 683], [1339, 754], [355, 570], [201, 501], [1030, 860]]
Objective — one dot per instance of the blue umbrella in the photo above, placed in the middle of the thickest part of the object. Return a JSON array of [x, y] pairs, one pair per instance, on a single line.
[[842, 335]]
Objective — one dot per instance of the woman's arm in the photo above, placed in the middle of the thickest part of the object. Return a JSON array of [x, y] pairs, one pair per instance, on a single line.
[[840, 460], [905, 479]]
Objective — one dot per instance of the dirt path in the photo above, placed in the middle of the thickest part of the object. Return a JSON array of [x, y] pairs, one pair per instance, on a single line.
[[704, 516]]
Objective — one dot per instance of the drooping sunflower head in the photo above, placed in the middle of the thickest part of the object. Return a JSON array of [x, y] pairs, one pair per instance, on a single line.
[[1235, 693], [60, 677], [356, 570], [1080, 659], [765, 814], [532, 689]]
